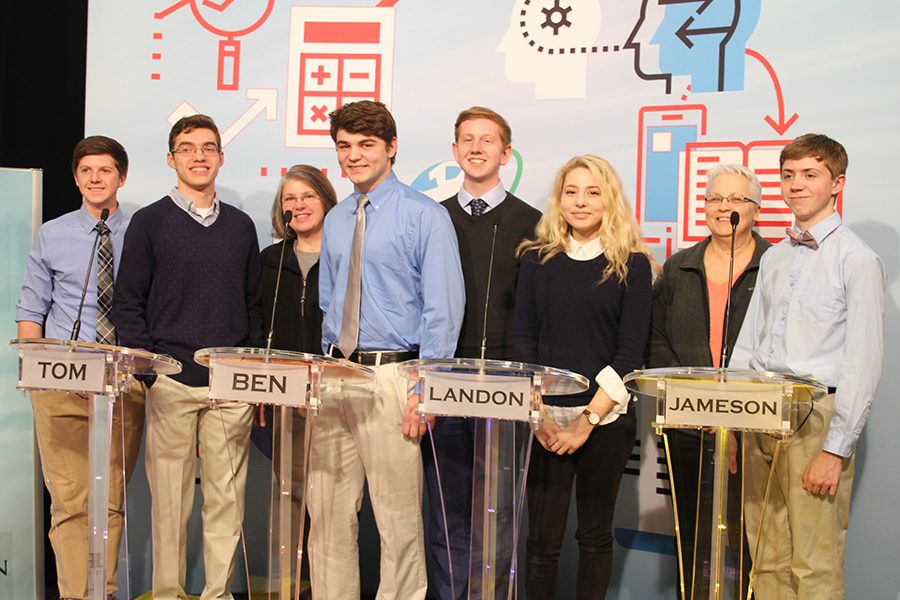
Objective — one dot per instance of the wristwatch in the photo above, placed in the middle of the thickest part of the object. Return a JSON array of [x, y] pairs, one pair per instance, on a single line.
[[593, 418]]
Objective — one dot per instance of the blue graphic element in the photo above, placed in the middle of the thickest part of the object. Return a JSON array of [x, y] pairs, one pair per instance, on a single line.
[[661, 174], [646, 541], [703, 39]]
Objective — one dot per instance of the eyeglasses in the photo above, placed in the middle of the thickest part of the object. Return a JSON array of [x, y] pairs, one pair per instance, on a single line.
[[734, 200], [306, 198], [191, 149]]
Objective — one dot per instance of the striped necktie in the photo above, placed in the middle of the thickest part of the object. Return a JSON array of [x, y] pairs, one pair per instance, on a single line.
[[106, 331]]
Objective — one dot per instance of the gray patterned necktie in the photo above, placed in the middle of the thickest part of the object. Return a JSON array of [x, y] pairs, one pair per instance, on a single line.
[[106, 331], [478, 207], [350, 318]]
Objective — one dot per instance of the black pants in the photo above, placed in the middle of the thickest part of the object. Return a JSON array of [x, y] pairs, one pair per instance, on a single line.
[[596, 470]]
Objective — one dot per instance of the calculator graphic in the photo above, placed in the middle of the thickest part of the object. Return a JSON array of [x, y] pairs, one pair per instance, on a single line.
[[337, 55]]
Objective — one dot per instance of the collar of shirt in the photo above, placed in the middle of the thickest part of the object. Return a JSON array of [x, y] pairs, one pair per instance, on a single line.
[[823, 229], [586, 251], [379, 195], [493, 197], [190, 208], [89, 221]]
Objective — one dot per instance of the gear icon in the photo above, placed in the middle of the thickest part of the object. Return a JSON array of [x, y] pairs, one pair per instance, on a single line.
[[557, 17]]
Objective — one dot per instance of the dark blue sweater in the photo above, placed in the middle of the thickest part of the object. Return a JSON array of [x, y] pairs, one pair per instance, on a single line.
[[182, 286], [565, 319]]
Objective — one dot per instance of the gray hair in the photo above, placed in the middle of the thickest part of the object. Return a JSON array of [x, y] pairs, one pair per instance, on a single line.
[[734, 169]]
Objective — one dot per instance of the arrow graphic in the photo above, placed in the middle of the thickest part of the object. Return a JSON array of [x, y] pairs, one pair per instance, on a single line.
[[780, 126], [684, 33], [182, 110], [266, 101]]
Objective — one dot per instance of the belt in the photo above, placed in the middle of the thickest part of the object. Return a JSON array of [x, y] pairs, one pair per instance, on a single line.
[[375, 357], [832, 390]]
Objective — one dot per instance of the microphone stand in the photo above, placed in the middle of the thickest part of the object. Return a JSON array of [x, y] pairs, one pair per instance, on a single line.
[[735, 219], [288, 216], [76, 326]]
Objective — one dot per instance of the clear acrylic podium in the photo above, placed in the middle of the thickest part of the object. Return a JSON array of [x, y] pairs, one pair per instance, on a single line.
[[290, 381], [101, 372], [501, 395], [725, 401]]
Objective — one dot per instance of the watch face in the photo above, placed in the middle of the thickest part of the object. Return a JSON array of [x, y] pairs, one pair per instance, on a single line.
[[594, 418]]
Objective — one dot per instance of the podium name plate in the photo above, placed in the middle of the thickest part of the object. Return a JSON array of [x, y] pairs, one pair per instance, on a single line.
[[697, 403], [237, 380], [477, 395], [69, 371]]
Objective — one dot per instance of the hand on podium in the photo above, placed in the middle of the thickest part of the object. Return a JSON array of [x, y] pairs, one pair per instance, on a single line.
[[413, 425]]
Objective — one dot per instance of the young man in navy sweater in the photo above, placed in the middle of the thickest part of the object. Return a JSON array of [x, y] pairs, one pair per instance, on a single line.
[[189, 279]]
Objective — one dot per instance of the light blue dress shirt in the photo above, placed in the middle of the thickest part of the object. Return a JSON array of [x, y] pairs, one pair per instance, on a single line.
[[820, 313], [54, 273], [492, 197], [413, 294]]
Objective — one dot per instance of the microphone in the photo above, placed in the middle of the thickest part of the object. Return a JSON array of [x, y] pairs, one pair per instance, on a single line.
[[487, 294], [76, 326], [735, 219], [287, 216]]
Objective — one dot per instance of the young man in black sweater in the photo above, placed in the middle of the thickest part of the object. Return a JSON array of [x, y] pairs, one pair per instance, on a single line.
[[490, 223], [189, 279]]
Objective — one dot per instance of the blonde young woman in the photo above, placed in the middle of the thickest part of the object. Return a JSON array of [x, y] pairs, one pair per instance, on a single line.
[[583, 304]]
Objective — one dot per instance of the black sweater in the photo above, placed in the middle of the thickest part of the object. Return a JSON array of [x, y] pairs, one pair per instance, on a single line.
[[515, 221], [298, 319], [182, 286], [564, 318]]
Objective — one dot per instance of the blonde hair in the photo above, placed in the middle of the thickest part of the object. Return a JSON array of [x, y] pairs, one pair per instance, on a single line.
[[619, 232]]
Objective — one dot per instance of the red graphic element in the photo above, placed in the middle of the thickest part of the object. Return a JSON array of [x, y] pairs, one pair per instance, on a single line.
[[780, 126], [263, 171], [341, 33], [156, 56], [154, 76], [684, 96], [320, 75], [642, 113], [157, 36], [219, 6], [229, 61], [387, 3], [331, 80]]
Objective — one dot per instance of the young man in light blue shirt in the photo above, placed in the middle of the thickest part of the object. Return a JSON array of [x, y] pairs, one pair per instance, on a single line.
[[818, 309], [48, 307], [391, 289]]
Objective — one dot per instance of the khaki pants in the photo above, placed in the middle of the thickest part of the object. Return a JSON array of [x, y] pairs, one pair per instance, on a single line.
[[179, 420], [357, 438], [61, 422], [801, 545]]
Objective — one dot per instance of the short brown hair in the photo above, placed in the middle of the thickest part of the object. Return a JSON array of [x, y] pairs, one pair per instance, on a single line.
[[190, 123], [820, 147], [314, 178], [100, 144], [480, 112], [367, 118]]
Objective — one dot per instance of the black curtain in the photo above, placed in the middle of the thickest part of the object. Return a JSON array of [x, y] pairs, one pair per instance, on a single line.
[[42, 73], [43, 46]]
